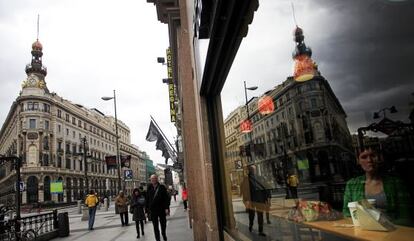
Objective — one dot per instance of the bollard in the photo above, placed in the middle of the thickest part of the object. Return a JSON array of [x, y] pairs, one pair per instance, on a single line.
[[85, 213], [79, 206], [106, 204]]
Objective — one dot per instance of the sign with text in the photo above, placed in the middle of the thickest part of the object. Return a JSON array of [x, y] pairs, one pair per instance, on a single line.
[[128, 175], [171, 86]]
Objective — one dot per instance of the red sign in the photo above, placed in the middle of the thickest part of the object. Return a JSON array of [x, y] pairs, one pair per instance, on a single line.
[[246, 126], [111, 161], [266, 105]]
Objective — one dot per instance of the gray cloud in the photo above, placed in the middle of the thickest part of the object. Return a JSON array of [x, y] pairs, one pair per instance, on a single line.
[[363, 48]]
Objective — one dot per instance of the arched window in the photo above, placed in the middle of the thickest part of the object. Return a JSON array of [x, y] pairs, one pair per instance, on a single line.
[[45, 143], [33, 156], [46, 189], [32, 189], [60, 195], [69, 189]]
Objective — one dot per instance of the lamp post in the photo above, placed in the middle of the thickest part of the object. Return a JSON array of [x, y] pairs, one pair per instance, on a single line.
[[391, 109], [85, 163], [249, 157], [284, 135], [117, 141]]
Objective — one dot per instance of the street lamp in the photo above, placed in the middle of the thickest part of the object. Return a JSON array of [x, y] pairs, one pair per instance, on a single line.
[[391, 109], [248, 117], [85, 163], [117, 140]]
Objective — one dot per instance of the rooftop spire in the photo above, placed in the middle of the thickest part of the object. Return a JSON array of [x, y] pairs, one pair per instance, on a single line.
[[305, 68], [35, 71], [38, 17]]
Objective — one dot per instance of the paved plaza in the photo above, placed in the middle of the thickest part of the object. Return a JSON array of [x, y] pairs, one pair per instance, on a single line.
[[108, 226]]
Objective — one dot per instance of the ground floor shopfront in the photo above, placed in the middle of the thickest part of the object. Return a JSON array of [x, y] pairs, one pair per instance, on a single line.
[[37, 185]]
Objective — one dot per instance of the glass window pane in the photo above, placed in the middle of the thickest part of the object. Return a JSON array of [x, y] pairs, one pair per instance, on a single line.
[[343, 76]]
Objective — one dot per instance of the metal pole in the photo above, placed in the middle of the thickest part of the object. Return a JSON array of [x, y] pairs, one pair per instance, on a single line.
[[285, 157], [18, 163], [86, 166], [118, 163], [162, 133], [249, 157]]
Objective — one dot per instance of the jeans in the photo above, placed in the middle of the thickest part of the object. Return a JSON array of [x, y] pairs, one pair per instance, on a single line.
[[124, 218], [91, 221], [185, 204], [163, 221]]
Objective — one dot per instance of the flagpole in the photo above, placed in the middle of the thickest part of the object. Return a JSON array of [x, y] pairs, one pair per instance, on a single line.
[[162, 133]]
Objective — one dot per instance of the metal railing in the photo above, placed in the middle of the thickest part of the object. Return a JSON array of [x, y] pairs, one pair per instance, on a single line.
[[40, 225]]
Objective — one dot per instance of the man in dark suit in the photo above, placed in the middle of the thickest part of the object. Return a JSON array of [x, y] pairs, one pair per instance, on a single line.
[[256, 198], [158, 206]]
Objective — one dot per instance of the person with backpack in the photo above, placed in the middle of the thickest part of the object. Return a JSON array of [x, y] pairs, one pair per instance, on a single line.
[[91, 202]]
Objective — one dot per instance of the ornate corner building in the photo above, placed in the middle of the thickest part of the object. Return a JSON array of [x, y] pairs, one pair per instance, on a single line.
[[49, 133]]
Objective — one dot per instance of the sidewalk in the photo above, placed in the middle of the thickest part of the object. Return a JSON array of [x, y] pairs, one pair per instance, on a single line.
[[108, 227]]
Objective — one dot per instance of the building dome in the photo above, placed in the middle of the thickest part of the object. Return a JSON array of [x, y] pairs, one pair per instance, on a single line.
[[37, 46]]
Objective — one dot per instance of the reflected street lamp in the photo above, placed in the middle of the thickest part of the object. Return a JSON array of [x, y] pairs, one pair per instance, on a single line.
[[391, 109], [248, 119], [117, 141]]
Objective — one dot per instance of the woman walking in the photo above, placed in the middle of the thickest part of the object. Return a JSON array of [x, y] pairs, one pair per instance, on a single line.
[[137, 207], [184, 196], [121, 202]]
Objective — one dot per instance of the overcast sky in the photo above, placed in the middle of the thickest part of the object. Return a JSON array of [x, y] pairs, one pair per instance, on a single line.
[[91, 48], [363, 48]]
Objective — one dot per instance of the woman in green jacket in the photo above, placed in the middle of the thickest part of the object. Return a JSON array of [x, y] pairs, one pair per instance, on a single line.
[[389, 192]]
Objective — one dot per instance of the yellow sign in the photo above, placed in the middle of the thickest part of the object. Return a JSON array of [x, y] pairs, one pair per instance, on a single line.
[[171, 86]]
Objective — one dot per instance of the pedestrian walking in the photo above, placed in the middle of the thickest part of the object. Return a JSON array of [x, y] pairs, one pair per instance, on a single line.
[[121, 202], [255, 198], [138, 210], [144, 193], [91, 201], [293, 183], [184, 197], [158, 206], [175, 192]]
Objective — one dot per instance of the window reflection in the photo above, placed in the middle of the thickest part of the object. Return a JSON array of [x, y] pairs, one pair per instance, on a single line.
[[307, 147]]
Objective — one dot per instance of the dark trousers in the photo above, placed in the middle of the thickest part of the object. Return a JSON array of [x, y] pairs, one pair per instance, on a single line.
[[155, 217], [124, 218], [259, 218], [293, 192], [137, 223], [185, 204]]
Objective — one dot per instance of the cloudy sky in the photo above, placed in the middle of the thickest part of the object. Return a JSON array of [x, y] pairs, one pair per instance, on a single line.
[[364, 49], [91, 48]]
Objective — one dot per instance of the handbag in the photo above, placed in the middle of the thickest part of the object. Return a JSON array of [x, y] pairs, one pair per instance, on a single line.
[[131, 209], [141, 201]]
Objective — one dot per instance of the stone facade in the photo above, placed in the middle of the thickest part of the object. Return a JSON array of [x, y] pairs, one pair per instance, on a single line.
[[48, 133], [308, 122]]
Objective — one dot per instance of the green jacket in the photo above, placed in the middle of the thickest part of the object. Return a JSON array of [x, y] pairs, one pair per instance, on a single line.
[[398, 199]]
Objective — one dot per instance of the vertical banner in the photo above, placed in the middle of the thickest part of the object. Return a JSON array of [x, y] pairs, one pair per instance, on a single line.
[[171, 86]]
